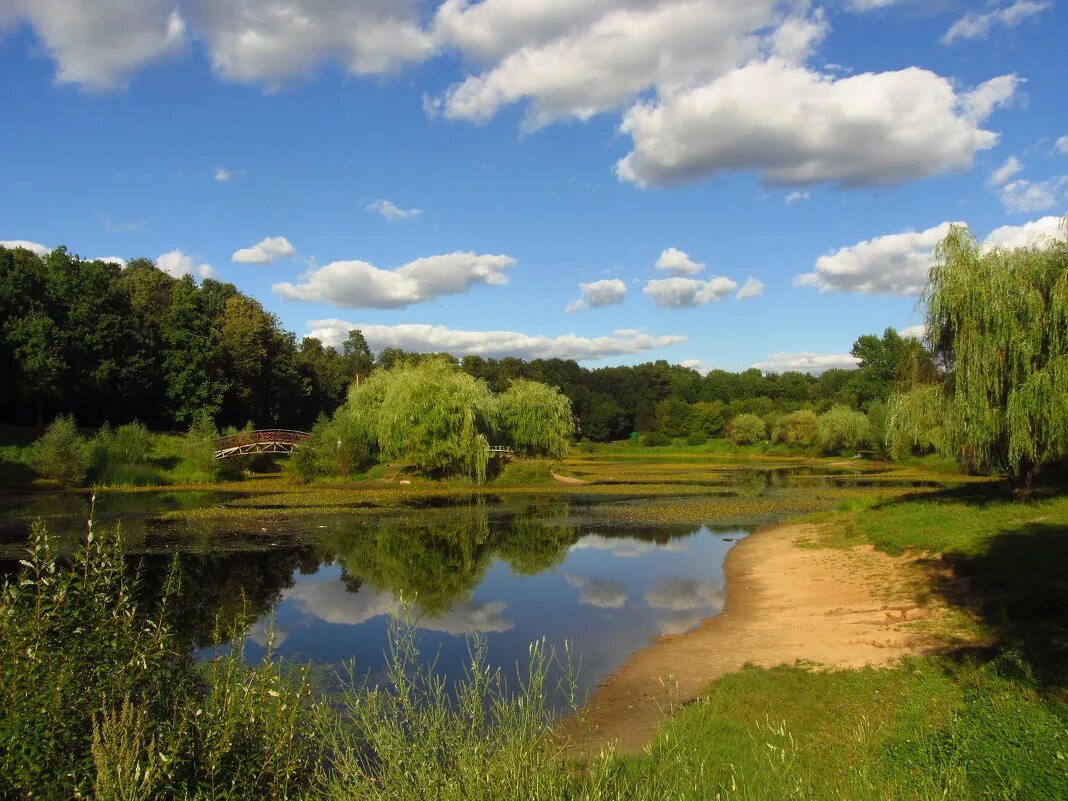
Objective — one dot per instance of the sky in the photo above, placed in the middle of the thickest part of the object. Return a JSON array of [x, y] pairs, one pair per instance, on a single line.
[[718, 183]]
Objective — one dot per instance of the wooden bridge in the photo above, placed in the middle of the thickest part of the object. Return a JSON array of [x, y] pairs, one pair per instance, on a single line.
[[271, 440]]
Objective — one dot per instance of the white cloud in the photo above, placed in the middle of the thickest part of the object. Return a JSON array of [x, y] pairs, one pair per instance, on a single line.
[[360, 285], [275, 43], [333, 603], [99, 45], [914, 331], [177, 264], [897, 264], [392, 212], [871, 5], [225, 174], [423, 338], [1003, 173], [701, 366], [893, 264], [1062, 145], [686, 293], [582, 57], [113, 259], [683, 594], [814, 363], [752, 288], [1023, 196], [626, 547], [978, 26], [797, 197], [598, 592], [36, 247], [679, 622], [265, 251], [609, 292], [799, 127], [1030, 233], [679, 262]]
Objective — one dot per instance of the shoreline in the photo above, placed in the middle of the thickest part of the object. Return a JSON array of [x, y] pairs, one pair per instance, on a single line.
[[783, 604]]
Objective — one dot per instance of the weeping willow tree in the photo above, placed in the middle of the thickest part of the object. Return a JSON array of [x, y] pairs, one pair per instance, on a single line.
[[430, 415], [997, 319], [536, 419]]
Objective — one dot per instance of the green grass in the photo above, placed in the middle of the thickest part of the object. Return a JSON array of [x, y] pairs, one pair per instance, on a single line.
[[926, 729]]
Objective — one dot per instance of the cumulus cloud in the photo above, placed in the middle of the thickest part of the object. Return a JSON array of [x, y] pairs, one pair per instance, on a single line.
[[1003, 173], [225, 175], [177, 264], [392, 212], [1022, 195], [112, 259], [598, 592], [914, 331], [897, 264], [1062, 145], [978, 26], [579, 58], [281, 41], [1030, 233], [798, 127], [99, 45], [893, 264], [814, 363], [360, 285], [265, 251], [423, 338], [686, 293], [625, 547], [701, 366], [333, 603], [609, 292], [682, 594], [678, 262], [36, 247], [752, 288]]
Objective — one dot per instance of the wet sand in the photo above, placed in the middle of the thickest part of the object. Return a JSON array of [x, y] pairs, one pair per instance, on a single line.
[[836, 608]]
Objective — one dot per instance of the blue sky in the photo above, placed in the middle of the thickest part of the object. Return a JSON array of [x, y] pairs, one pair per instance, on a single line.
[[446, 176]]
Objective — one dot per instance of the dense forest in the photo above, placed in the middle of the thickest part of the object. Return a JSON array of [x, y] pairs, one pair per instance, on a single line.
[[113, 344]]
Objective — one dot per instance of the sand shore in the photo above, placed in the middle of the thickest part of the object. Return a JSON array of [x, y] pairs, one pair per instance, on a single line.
[[836, 608]]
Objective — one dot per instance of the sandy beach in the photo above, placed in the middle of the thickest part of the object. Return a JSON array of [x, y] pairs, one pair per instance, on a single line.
[[834, 608]]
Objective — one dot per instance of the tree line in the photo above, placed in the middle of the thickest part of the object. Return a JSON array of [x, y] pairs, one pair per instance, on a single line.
[[115, 344]]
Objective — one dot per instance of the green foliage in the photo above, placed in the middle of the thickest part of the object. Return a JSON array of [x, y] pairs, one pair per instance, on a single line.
[[428, 414], [654, 439], [200, 445], [673, 417], [708, 418], [746, 429], [697, 438], [61, 452], [916, 421], [841, 429], [797, 429], [536, 419], [999, 320]]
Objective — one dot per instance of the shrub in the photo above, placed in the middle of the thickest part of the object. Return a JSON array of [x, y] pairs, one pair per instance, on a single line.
[[200, 445], [697, 438], [746, 429], [61, 453], [798, 429], [842, 429], [654, 439]]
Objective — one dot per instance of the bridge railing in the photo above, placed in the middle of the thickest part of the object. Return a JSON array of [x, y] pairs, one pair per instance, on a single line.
[[283, 436]]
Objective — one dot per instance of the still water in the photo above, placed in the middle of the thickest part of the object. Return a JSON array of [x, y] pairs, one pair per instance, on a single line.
[[515, 572]]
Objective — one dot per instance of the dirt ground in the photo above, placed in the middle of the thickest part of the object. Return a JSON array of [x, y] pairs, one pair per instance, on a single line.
[[836, 608]]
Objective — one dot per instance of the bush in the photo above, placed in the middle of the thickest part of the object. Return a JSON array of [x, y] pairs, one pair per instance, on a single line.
[[798, 429], [200, 445], [61, 453], [697, 438], [843, 429], [746, 429], [654, 439]]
